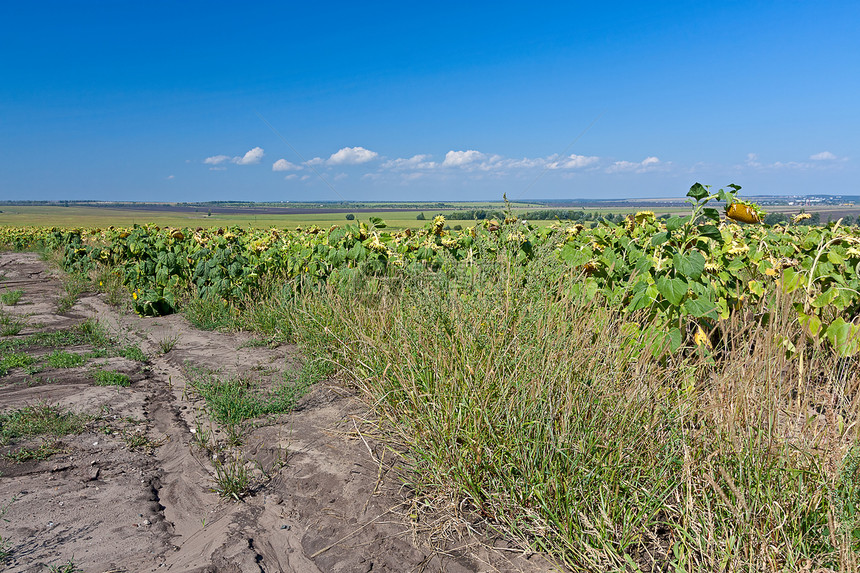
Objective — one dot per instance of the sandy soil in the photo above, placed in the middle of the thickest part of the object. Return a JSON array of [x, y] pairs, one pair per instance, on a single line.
[[327, 496]]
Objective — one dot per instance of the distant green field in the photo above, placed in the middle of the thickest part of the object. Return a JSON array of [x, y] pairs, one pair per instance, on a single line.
[[48, 216]]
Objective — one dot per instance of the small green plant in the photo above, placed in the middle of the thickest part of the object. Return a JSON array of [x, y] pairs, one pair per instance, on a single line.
[[10, 325], [40, 419], [73, 285], [68, 567], [15, 360], [210, 313], [63, 359], [110, 378], [5, 544], [232, 478], [133, 352], [11, 297], [43, 451], [168, 343], [136, 440]]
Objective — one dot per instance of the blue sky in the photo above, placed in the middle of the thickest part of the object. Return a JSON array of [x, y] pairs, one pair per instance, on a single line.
[[162, 101]]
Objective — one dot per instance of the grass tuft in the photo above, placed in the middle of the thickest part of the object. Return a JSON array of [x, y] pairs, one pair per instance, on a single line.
[[11, 297], [110, 378], [38, 420]]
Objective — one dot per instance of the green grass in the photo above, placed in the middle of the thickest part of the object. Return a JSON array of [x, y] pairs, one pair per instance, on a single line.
[[532, 405], [231, 402], [210, 313], [110, 378], [63, 359], [10, 325], [73, 286], [41, 452], [38, 420], [14, 360], [87, 333], [11, 297]]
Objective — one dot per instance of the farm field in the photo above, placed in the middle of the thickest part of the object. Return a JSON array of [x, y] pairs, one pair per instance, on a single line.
[[401, 217], [672, 393]]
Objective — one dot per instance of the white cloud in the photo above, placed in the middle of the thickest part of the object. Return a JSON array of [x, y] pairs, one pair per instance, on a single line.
[[291, 176], [352, 156], [284, 165], [823, 156], [251, 158], [171, 177], [315, 161], [647, 164], [216, 159], [217, 169], [575, 162], [414, 162], [461, 158]]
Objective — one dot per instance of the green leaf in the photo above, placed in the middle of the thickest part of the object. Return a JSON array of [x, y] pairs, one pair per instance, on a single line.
[[659, 238], [835, 258], [825, 298], [700, 308], [844, 336], [673, 290], [690, 265], [675, 339], [712, 214], [791, 280], [675, 223], [697, 192], [712, 232], [810, 322]]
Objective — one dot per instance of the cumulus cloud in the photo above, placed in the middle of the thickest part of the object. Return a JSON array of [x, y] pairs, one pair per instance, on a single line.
[[251, 158], [823, 156], [216, 159], [414, 162], [575, 162], [284, 165], [461, 158], [352, 156], [647, 164], [171, 177]]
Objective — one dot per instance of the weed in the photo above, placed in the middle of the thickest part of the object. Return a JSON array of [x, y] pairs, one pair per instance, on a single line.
[[133, 352], [37, 420], [232, 478], [63, 359], [68, 567], [11, 297], [43, 451], [15, 360], [135, 440], [232, 401], [110, 378], [108, 281], [10, 325], [5, 544], [168, 343], [73, 285], [201, 437], [210, 313]]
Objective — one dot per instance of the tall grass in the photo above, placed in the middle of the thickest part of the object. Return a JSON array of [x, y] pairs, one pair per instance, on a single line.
[[523, 397]]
